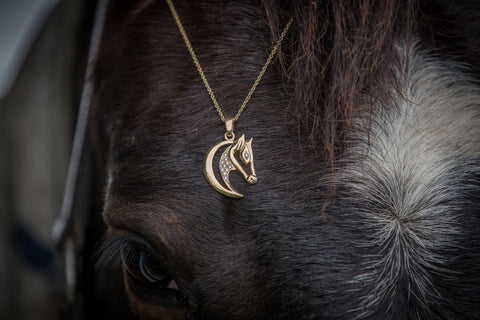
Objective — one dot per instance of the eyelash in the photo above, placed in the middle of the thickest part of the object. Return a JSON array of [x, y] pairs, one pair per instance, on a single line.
[[142, 268]]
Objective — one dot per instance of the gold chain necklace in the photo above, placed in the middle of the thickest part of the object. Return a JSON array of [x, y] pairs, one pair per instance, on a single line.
[[228, 162]]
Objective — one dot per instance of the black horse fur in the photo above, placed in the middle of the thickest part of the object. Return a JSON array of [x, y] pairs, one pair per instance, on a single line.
[[366, 135]]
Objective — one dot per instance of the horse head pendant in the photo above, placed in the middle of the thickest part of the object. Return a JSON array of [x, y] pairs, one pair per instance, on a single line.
[[228, 163]]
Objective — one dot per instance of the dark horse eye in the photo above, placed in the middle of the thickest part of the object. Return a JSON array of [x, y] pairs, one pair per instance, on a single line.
[[145, 270]]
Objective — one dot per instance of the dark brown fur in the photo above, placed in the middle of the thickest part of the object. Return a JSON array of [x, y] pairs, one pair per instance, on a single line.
[[334, 52]]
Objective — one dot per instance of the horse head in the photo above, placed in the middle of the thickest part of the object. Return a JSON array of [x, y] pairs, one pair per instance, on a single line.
[[245, 152], [368, 204]]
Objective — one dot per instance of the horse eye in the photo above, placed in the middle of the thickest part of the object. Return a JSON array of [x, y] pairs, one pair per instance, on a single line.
[[144, 270]]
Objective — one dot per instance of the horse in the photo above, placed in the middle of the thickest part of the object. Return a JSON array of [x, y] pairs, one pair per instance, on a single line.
[[364, 201]]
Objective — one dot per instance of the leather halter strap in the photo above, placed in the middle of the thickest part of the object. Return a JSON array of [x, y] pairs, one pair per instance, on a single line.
[[69, 227]]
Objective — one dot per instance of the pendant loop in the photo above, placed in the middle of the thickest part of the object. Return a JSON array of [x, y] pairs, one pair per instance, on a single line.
[[229, 135]]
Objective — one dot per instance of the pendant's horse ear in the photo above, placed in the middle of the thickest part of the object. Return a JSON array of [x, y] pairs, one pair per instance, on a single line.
[[240, 143]]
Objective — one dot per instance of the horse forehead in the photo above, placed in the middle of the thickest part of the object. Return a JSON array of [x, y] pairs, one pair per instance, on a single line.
[[146, 74]]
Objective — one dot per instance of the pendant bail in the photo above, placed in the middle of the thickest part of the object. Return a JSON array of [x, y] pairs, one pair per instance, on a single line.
[[229, 135]]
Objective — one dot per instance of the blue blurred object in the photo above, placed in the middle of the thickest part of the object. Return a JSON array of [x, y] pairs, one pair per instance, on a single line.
[[32, 251], [20, 24]]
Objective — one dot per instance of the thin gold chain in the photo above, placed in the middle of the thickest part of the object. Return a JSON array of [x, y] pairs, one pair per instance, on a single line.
[[202, 75]]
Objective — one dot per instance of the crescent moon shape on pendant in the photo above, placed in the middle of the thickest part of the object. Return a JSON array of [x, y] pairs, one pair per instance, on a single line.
[[210, 176]]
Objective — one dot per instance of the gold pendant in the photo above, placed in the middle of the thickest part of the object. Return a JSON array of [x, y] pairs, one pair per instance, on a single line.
[[228, 162]]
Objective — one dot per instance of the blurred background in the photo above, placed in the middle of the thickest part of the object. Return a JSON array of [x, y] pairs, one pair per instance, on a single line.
[[40, 77]]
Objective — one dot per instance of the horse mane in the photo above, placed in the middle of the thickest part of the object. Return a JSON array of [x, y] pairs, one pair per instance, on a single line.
[[338, 51], [335, 52]]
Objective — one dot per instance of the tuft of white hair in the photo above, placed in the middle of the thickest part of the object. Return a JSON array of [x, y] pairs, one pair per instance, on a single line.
[[406, 170]]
